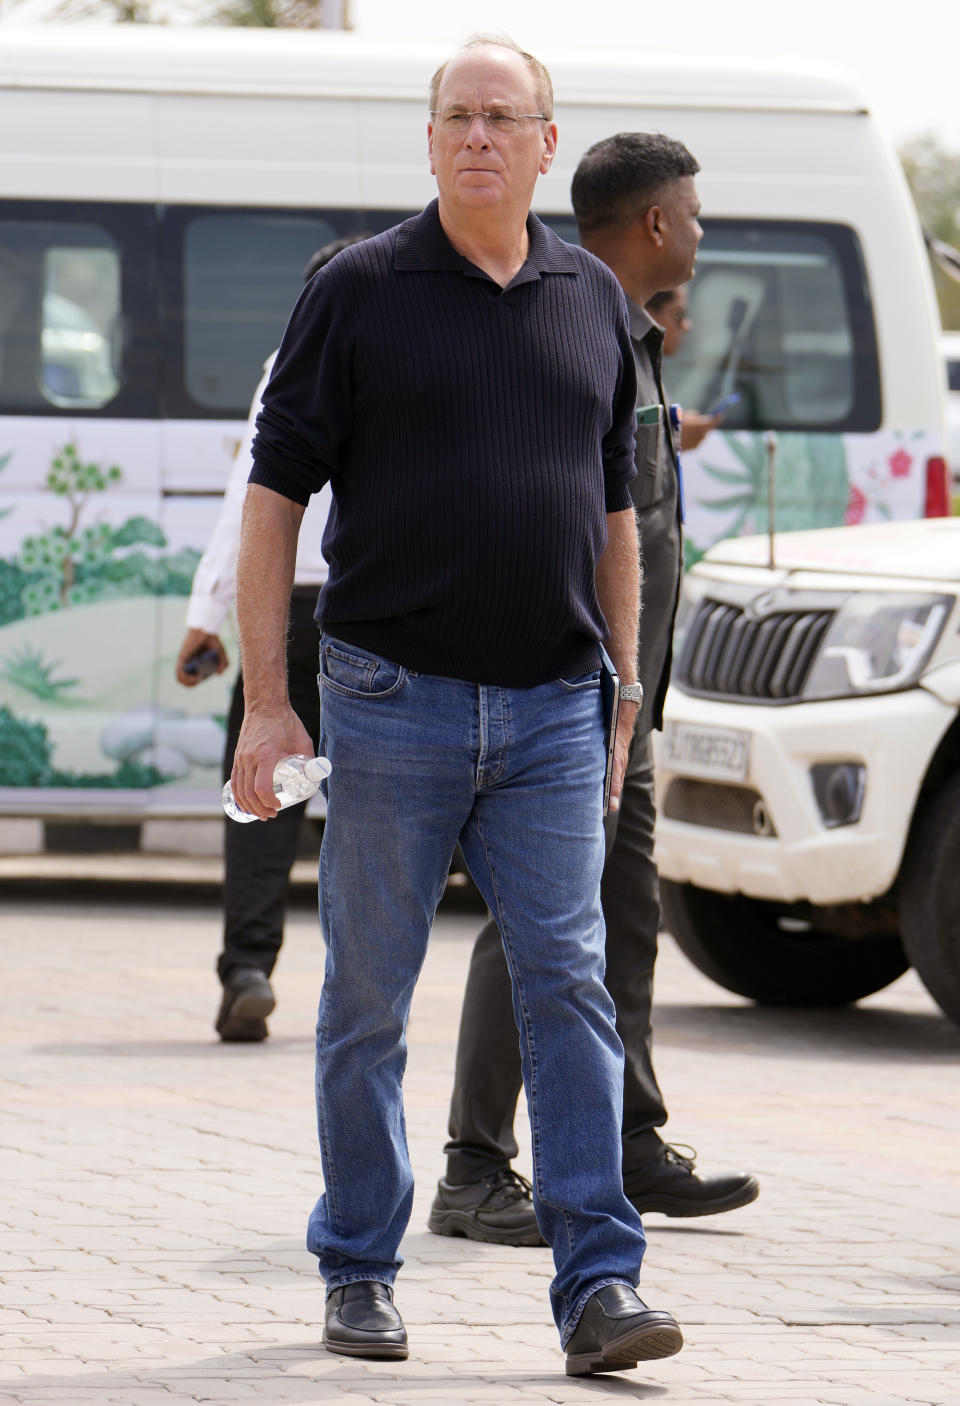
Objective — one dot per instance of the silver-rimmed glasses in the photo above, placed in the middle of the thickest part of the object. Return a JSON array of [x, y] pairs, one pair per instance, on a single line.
[[503, 120]]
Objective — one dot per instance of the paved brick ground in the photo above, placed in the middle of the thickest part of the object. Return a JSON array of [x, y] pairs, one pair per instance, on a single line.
[[155, 1188]]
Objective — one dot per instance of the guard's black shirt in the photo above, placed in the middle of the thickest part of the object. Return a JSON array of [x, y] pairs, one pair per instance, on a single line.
[[474, 438]]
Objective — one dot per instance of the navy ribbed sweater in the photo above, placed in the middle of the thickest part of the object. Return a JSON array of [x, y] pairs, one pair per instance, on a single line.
[[474, 439]]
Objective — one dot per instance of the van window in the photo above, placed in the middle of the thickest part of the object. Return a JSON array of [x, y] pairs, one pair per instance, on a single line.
[[80, 331], [230, 279], [241, 276], [60, 327], [782, 317], [78, 309]]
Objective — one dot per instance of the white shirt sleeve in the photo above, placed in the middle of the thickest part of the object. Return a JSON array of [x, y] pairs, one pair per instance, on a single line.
[[215, 579]]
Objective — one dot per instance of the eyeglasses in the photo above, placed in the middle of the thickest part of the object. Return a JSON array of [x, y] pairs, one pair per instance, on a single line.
[[504, 120]]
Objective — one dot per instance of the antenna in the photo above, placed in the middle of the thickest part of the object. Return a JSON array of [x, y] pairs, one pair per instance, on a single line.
[[770, 441]]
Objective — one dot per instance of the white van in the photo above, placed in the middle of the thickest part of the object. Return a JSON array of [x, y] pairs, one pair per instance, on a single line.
[[160, 193]]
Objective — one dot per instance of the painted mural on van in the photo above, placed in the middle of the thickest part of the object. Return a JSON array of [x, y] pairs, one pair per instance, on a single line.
[[94, 580], [93, 588], [819, 480]]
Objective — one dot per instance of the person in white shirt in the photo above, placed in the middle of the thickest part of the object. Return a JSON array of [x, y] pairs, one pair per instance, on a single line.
[[258, 858]]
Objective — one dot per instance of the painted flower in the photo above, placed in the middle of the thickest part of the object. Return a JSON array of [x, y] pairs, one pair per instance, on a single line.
[[856, 506], [900, 463]]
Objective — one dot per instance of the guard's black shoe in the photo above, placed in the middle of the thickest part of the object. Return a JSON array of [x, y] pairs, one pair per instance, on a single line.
[[670, 1185], [361, 1321], [247, 1001], [616, 1331], [498, 1209]]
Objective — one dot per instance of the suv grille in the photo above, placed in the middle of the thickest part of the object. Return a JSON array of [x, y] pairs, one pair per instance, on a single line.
[[730, 653]]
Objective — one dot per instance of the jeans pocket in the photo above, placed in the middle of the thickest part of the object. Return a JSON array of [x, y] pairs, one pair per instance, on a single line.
[[582, 684], [356, 674]]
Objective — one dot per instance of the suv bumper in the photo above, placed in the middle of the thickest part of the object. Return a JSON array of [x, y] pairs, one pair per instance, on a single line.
[[708, 822]]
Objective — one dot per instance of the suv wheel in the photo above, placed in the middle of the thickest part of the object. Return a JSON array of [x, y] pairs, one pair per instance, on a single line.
[[930, 897], [753, 948]]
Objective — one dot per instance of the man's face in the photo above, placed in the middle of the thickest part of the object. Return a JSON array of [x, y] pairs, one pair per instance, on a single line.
[[481, 164], [680, 230]]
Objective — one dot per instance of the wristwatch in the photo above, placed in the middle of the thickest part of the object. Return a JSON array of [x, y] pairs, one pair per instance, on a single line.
[[631, 693]]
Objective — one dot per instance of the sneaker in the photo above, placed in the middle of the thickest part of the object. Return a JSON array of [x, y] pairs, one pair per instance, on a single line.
[[247, 1001], [498, 1209], [671, 1185]]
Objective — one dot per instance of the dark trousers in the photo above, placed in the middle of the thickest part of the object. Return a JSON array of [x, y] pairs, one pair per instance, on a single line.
[[487, 1078], [258, 858]]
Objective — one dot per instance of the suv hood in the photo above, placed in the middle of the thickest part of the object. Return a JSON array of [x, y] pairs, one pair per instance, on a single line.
[[928, 549]]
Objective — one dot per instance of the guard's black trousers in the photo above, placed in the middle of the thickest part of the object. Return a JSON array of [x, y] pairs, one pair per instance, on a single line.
[[487, 1079], [258, 858]]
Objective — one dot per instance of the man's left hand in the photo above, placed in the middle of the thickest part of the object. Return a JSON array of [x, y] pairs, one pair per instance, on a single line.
[[626, 721]]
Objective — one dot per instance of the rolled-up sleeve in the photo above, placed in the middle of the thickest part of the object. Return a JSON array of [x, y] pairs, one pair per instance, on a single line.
[[303, 428], [619, 466]]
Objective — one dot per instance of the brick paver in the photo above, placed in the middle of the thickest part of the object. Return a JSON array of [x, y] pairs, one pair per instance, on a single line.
[[156, 1185]]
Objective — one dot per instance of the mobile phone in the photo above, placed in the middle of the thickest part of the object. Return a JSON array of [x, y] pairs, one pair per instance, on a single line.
[[725, 404], [204, 664], [610, 696]]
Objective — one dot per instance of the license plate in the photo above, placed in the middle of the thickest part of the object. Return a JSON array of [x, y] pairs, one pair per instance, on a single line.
[[721, 753]]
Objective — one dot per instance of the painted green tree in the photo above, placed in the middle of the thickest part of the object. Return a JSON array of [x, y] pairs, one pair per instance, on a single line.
[[79, 562], [53, 557]]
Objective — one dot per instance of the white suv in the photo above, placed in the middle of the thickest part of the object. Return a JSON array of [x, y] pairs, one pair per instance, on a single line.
[[808, 775]]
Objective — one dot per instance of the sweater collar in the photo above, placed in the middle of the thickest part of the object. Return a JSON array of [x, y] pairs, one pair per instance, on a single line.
[[422, 246]]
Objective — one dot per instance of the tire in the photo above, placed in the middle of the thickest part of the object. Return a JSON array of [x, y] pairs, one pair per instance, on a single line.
[[758, 950], [930, 897]]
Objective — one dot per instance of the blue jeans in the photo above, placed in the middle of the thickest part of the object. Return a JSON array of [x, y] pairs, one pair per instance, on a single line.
[[419, 763]]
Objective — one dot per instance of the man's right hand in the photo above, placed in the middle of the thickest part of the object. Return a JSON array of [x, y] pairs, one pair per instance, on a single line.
[[267, 735], [198, 642]]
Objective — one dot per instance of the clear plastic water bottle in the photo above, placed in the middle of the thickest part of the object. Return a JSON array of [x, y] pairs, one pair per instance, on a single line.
[[295, 779]]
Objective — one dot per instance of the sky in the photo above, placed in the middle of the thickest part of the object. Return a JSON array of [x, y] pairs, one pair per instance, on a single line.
[[905, 56]]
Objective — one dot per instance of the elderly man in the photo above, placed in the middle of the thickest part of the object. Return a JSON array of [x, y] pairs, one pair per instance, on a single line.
[[481, 543]]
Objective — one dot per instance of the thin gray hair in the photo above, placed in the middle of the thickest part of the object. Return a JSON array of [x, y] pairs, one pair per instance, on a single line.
[[541, 77]]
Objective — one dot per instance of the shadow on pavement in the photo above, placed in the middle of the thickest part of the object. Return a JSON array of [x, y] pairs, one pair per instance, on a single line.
[[180, 1049], [653, 1221], [259, 1365], [460, 896], [868, 1034]]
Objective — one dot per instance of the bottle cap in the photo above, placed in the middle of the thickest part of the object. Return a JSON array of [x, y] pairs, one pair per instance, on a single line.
[[316, 769]]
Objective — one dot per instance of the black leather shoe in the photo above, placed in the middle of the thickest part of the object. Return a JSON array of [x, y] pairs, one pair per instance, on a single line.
[[361, 1321], [617, 1330], [247, 1001], [498, 1209], [670, 1185]]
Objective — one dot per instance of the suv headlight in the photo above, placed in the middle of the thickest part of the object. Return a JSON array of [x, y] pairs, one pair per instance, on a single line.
[[878, 642]]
